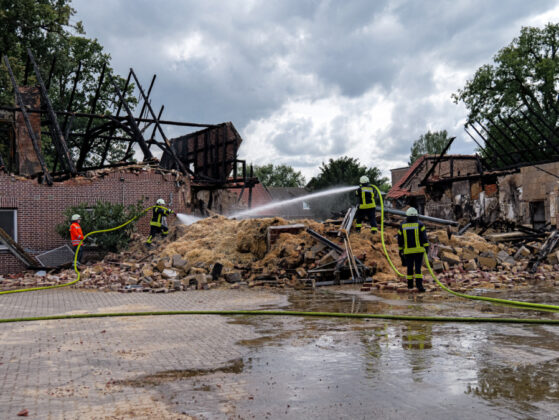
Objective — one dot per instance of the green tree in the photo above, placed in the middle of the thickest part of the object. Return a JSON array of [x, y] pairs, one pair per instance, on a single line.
[[428, 143], [344, 171], [515, 97], [44, 27], [279, 176], [103, 215]]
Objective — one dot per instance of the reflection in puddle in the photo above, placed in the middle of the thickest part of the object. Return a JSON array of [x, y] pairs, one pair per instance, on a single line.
[[342, 368]]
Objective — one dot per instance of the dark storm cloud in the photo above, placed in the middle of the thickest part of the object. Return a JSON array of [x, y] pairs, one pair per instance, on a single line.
[[246, 61]]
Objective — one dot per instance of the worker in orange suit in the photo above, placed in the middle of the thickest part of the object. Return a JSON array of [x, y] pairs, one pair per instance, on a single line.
[[76, 236]]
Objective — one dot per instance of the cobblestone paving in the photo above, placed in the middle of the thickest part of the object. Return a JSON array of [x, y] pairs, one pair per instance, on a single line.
[[72, 369], [213, 367]]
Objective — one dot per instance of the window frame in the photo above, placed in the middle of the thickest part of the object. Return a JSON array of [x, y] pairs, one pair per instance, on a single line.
[[14, 238]]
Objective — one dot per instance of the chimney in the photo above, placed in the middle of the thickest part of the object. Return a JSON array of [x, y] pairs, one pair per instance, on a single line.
[[27, 163]]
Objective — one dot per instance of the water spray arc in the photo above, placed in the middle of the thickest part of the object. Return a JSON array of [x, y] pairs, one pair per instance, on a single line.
[[307, 197]]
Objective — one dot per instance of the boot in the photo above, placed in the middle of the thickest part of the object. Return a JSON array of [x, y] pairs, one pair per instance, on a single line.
[[419, 285], [410, 283]]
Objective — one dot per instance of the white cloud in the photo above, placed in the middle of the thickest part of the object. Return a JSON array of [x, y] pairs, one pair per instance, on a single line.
[[305, 81], [315, 131]]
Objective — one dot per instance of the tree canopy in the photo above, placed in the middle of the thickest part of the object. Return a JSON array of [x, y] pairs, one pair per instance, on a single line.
[[346, 171], [59, 48], [428, 143], [279, 176], [514, 100]]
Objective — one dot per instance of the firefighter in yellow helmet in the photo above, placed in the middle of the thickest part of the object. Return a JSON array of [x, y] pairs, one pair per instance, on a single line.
[[412, 244], [367, 205], [158, 223]]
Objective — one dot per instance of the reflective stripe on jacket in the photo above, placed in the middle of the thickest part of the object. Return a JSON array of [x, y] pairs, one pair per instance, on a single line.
[[412, 238], [76, 234], [366, 196], [159, 212]]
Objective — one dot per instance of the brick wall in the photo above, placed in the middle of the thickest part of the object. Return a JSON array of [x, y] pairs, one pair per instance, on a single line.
[[397, 174], [536, 184], [40, 207]]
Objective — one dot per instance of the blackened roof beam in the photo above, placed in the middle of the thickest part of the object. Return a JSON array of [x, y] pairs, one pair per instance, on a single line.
[[132, 121], [183, 168], [58, 138], [436, 162]]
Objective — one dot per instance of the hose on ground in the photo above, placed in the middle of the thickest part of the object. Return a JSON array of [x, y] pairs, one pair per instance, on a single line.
[[525, 305], [295, 313], [75, 263]]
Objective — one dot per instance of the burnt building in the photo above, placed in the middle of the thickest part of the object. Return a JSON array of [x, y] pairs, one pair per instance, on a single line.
[[193, 174], [458, 188]]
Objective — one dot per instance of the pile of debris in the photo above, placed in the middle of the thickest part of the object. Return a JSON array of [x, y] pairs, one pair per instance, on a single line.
[[469, 261], [220, 252]]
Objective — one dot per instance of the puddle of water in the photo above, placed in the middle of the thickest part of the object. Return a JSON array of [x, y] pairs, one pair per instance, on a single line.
[[341, 368], [303, 368]]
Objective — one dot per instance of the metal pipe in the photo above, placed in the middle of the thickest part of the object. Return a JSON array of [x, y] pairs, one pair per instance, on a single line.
[[422, 217]]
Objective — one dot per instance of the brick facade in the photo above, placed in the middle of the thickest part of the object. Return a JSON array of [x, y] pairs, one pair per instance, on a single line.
[[40, 207]]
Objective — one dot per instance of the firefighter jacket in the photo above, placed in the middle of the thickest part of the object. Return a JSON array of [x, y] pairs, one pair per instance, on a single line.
[[412, 237], [159, 212], [366, 196], [76, 234]]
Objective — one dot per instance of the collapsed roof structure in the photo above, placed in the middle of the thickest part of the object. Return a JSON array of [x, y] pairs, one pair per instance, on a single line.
[[207, 156], [52, 159], [512, 179]]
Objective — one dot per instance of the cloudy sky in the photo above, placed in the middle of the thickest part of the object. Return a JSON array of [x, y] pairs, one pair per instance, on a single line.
[[309, 80]]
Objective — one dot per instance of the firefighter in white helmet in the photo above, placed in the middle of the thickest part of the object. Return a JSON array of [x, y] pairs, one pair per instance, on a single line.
[[76, 236], [158, 224], [367, 206], [412, 245]]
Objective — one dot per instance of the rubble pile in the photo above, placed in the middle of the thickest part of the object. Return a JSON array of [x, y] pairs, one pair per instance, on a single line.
[[219, 252], [469, 261]]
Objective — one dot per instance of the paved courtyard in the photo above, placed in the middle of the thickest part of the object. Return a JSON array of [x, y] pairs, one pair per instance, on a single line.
[[239, 367], [77, 368]]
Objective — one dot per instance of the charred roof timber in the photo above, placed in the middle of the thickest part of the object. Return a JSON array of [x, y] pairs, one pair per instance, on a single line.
[[208, 156], [516, 146]]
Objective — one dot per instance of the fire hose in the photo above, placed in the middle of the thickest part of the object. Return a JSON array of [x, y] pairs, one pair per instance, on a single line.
[[526, 305]]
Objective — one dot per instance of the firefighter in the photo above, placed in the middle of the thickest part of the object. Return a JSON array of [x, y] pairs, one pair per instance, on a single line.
[[158, 223], [76, 236], [412, 244], [367, 205]]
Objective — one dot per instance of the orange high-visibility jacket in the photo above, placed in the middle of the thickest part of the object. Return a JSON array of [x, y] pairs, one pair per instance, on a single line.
[[76, 234]]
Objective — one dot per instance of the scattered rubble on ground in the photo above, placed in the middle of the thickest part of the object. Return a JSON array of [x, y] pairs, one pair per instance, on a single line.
[[219, 252]]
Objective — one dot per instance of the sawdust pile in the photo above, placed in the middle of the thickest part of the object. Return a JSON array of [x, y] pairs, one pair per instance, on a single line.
[[243, 245], [231, 243]]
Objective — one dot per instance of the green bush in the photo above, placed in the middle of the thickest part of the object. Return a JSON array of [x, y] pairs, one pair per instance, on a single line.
[[103, 215]]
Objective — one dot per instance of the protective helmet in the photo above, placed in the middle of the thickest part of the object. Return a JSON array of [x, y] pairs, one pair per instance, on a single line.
[[76, 217], [364, 179], [412, 211], [160, 202]]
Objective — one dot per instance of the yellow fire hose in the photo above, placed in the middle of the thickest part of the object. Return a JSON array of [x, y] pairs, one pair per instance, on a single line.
[[526, 305], [76, 257]]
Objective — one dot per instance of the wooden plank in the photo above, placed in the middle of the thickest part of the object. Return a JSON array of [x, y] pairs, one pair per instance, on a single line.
[[17, 250]]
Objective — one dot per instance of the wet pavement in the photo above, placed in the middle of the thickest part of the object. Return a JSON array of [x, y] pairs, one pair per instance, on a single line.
[[277, 367]]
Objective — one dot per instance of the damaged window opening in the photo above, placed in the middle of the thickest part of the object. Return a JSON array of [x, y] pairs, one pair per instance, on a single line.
[[8, 222], [537, 213]]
